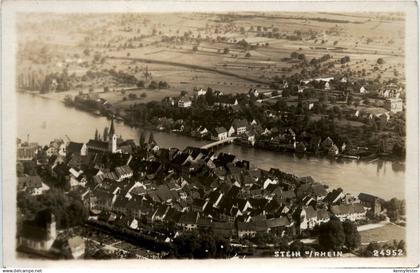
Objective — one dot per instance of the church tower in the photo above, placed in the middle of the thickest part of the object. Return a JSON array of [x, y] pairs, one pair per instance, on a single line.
[[112, 142], [51, 228]]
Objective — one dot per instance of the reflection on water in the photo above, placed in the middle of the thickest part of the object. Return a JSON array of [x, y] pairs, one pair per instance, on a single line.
[[382, 178]]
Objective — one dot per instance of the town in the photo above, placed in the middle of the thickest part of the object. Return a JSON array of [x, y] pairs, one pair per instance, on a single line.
[[113, 198], [219, 135], [293, 80], [309, 120]]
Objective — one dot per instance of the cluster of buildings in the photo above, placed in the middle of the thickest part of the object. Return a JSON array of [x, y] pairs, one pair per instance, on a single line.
[[194, 189], [240, 128], [40, 236]]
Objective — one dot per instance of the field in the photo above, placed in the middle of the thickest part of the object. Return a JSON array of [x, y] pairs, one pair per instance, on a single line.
[[387, 233], [229, 52]]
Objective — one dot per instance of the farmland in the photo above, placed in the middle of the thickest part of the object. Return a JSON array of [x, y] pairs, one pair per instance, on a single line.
[[255, 47]]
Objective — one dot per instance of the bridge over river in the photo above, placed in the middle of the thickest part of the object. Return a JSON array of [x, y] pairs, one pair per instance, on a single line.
[[219, 142]]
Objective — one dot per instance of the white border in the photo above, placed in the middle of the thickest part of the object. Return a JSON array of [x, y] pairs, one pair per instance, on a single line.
[[8, 124]]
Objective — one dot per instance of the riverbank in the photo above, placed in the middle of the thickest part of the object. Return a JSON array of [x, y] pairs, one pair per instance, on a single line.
[[60, 96], [376, 177]]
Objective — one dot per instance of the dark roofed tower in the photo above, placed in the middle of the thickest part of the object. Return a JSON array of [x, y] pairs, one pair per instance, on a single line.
[[46, 219], [112, 142]]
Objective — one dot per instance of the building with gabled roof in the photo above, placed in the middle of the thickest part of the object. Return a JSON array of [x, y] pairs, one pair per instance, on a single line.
[[352, 212]]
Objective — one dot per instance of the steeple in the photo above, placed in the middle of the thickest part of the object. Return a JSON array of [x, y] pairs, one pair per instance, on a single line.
[[112, 142], [112, 129]]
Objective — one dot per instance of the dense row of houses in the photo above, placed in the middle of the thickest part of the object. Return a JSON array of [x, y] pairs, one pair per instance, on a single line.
[[196, 189]]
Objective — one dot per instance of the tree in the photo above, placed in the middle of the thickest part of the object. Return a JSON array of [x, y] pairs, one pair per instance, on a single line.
[[226, 50], [151, 139], [247, 55], [380, 61], [300, 148], [352, 235], [331, 234], [163, 85], [140, 84], [153, 85], [105, 135], [395, 208], [398, 149], [195, 48], [371, 248], [294, 55], [210, 96], [345, 59], [186, 245], [96, 135], [142, 140]]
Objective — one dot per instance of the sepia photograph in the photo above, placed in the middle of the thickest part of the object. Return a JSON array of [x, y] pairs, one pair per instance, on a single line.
[[225, 134]]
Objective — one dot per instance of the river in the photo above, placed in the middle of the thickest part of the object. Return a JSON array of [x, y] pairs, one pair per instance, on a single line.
[[46, 119]]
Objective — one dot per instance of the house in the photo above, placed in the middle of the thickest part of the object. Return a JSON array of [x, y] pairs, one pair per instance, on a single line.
[[76, 148], [394, 105], [301, 88], [372, 202], [32, 184], [253, 92], [352, 212], [362, 90], [123, 172], [385, 117], [56, 147], [334, 196], [97, 146], [327, 144], [319, 191], [250, 137], [310, 105], [309, 217], [231, 131], [200, 92], [240, 126], [227, 102], [100, 200], [279, 224], [201, 131], [169, 101], [184, 102], [26, 151], [160, 213], [77, 178], [188, 221], [38, 234], [219, 133], [333, 150], [327, 86], [246, 229], [77, 247], [218, 93], [225, 229]]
